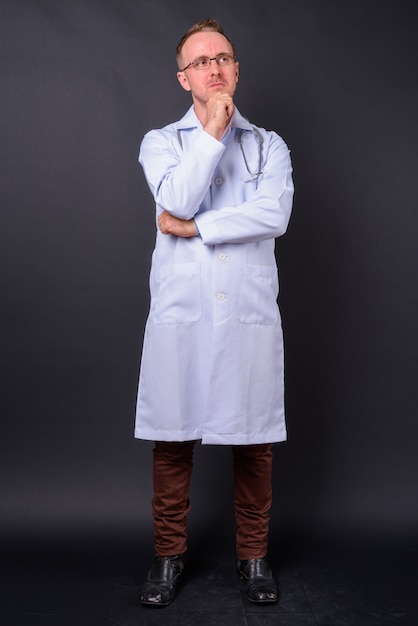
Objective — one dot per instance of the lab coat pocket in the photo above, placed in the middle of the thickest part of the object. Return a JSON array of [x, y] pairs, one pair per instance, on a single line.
[[258, 295], [179, 299]]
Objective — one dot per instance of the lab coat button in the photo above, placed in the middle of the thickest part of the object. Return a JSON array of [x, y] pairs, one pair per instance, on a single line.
[[221, 296], [218, 180], [222, 256]]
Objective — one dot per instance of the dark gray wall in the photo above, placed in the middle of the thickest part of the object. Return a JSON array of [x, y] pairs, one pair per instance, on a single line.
[[81, 82]]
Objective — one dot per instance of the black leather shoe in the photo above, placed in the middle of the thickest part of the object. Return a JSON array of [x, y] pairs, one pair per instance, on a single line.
[[260, 585], [163, 578]]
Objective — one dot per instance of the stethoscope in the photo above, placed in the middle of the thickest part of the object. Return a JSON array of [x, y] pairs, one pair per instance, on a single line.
[[259, 140]]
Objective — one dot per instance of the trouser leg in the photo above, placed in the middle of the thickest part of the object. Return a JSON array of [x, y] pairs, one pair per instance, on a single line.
[[172, 470], [252, 498]]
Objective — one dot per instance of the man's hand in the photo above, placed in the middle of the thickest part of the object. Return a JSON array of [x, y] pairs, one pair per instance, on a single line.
[[219, 110], [170, 225]]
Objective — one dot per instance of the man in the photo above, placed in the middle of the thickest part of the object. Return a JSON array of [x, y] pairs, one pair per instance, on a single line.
[[212, 362]]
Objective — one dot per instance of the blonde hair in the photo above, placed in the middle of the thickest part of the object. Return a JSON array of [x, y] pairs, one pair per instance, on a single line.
[[208, 24]]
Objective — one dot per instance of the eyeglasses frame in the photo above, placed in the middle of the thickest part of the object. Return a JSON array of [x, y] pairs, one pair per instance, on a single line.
[[221, 54]]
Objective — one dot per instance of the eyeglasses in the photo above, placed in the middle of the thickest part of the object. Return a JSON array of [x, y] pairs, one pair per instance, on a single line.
[[203, 63]]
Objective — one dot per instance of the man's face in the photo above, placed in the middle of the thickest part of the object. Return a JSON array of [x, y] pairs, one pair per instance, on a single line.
[[203, 84]]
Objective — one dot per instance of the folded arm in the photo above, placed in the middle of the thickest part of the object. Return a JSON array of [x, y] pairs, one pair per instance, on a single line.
[[179, 181]]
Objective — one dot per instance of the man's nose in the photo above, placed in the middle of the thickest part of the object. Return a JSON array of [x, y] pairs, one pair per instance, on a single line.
[[214, 68]]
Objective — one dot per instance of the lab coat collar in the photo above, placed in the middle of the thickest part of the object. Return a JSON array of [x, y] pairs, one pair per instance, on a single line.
[[190, 120]]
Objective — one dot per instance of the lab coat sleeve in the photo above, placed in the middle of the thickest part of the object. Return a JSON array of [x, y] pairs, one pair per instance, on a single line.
[[266, 212], [179, 179]]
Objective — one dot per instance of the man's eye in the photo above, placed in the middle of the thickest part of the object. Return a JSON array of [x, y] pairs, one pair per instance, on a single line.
[[201, 62]]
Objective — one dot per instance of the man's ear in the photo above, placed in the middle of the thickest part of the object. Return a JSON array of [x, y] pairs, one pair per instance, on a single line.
[[183, 80]]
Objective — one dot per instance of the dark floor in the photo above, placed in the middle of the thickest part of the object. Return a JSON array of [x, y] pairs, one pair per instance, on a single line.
[[89, 582]]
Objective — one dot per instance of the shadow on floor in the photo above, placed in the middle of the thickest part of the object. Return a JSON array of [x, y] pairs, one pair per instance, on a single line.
[[94, 581]]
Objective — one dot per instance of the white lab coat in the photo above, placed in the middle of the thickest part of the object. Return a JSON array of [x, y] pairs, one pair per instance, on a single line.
[[212, 361]]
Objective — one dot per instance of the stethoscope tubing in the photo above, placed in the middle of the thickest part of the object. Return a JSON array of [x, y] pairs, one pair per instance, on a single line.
[[259, 140]]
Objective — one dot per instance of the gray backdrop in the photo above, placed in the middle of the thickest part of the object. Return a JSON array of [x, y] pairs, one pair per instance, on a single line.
[[81, 82]]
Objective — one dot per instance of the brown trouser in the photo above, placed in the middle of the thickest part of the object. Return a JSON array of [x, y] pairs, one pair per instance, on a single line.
[[172, 470]]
